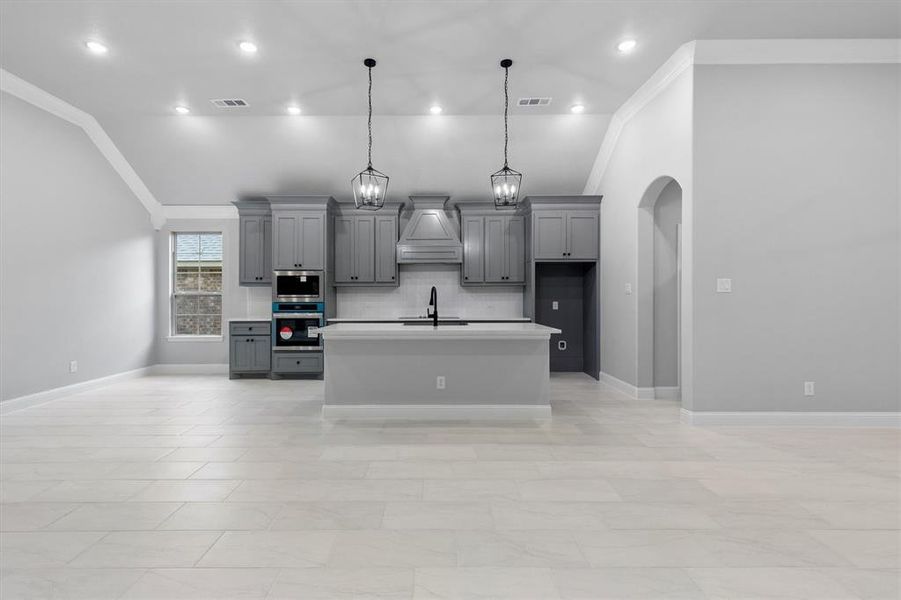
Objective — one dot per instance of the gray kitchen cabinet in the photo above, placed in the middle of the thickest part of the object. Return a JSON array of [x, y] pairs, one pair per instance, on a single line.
[[473, 249], [249, 348], [366, 247], [493, 246], [565, 235], [255, 250], [254, 242], [549, 235], [355, 249], [291, 363], [386, 249], [582, 235], [298, 239]]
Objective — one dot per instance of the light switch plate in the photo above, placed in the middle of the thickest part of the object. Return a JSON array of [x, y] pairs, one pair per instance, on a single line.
[[555, 305], [808, 388], [723, 286], [440, 382], [628, 289], [73, 366]]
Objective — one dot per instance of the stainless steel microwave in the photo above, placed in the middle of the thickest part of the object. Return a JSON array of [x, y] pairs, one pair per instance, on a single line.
[[297, 286]]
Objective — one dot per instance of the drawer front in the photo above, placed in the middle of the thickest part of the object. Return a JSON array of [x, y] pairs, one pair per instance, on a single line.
[[296, 362], [248, 328]]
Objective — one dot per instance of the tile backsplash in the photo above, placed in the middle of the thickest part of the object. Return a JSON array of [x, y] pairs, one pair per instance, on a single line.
[[411, 297]]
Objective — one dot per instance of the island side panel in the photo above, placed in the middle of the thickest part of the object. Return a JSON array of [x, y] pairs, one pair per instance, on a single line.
[[404, 372]]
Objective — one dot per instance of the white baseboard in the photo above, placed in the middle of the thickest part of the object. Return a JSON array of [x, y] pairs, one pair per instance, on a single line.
[[618, 384], [438, 412], [835, 419], [189, 369], [14, 404], [668, 393]]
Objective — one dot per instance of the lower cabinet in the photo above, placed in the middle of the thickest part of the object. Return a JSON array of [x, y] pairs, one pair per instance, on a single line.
[[249, 348], [290, 363]]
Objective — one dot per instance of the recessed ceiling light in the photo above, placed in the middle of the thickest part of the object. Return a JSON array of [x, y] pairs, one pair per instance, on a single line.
[[626, 46], [435, 109], [247, 47], [182, 110], [96, 47], [293, 110], [577, 108]]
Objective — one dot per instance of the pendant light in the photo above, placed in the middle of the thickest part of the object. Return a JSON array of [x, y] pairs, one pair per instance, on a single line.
[[370, 186], [505, 184]]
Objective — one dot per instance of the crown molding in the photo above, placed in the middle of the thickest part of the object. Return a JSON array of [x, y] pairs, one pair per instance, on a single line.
[[44, 100], [737, 52]]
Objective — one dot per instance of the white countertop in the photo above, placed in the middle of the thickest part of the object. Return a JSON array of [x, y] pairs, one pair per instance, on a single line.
[[400, 319], [472, 331]]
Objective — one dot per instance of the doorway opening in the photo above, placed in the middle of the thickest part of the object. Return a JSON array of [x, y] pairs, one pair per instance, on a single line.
[[660, 290]]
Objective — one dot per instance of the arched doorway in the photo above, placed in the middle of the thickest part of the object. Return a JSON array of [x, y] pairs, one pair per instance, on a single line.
[[659, 290]]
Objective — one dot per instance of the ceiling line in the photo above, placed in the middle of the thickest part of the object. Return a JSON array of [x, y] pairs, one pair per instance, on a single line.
[[738, 52], [44, 100]]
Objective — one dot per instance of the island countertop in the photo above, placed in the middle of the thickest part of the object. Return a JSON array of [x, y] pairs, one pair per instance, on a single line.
[[470, 331]]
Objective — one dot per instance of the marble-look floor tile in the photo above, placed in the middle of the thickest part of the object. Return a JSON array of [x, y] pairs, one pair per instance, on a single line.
[[31, 516], [72, 584], [217, 516], [343, 584], [542, 548], [270, 549], [282, 470], [43, 549], [466, 490], [870, 549], [329, 515], [870, 584], [202, 584], [437, 515], [856, 515], [568, 490], [493, 583], [150, 549], [115, 516], [185, 491], [775, 583], [384, 548], [626, 583], [92, 491]]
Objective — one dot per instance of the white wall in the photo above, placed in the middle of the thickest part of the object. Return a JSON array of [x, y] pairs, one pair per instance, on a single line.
[[237, 301], [655, 142], [667, 216], [76, 257], [796, 199]]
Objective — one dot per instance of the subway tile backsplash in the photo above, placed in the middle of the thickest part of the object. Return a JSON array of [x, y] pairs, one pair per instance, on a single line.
[[411, 297]]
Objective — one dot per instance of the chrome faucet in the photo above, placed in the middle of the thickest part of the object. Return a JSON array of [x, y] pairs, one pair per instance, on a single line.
[[432, 309]]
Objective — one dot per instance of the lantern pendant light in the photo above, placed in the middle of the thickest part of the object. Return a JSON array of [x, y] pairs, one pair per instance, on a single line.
[[370, 186], [505, 184]]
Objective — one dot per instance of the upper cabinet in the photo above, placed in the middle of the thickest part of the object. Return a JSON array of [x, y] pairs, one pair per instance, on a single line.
[[493, 246], [255, 243], [365, 247], [564, 228], [299, 231]]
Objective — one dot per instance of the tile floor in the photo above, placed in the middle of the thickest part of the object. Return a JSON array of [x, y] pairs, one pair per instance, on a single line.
[[201, 487]]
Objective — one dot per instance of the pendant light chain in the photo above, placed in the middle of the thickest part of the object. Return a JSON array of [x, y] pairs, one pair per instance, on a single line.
[[370, 117], [506, 108]]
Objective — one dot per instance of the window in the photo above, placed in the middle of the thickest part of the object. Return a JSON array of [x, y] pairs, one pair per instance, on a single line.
[[197, 284]]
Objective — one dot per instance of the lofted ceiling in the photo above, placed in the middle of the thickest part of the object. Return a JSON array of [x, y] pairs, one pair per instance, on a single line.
[[185, 52]]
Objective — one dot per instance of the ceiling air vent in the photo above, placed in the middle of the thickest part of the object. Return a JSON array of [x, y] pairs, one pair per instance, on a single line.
[[230, 103], [534, 101]]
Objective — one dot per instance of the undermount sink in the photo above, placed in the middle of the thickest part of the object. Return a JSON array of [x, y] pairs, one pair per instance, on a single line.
[[440, 322]]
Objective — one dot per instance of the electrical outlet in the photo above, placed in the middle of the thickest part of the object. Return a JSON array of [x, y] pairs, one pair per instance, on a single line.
[[723, 286], [555, 305], [440, 382], [73, 366], [628, 289], [808, 388]]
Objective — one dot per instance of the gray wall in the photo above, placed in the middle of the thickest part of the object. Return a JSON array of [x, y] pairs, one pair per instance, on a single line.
[[667, 217], [237, 301], [796, 199], [76, 258]]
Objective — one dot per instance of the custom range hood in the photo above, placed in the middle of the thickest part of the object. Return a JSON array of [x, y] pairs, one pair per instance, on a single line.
[[430, 236]]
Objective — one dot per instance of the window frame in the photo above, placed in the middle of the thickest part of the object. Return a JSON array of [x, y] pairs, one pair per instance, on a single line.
[[173, 294]]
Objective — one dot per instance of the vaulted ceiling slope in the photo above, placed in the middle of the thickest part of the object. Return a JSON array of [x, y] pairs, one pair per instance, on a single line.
[[446, 52]]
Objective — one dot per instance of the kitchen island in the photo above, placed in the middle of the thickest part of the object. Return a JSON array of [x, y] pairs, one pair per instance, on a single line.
[[453, 371]]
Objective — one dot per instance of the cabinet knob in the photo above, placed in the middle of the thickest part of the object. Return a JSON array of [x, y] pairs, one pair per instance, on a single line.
[[464, 277], [392, 277], [298, 362]]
